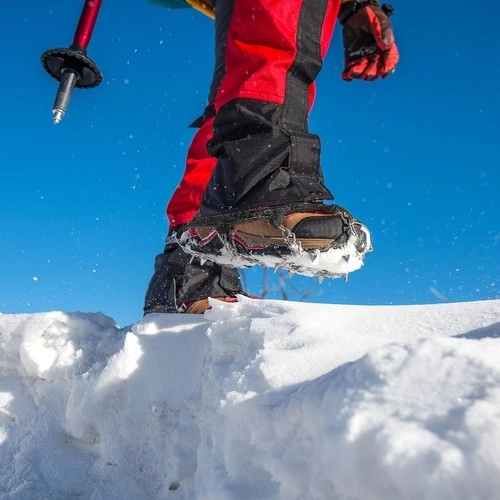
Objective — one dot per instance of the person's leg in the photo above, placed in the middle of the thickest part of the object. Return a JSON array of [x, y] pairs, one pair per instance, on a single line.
[[186, 200], [264, 203], [181, 282], [266, 154]]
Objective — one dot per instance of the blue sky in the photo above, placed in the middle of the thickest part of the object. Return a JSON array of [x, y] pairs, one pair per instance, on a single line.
[[416, 157]]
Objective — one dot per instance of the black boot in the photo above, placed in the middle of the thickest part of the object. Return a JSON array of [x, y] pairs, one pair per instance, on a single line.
[[181, 283]]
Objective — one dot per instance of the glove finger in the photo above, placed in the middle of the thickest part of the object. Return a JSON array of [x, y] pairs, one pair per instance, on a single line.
[[354, 69], [370, 71], [381, 28], [387, 61]]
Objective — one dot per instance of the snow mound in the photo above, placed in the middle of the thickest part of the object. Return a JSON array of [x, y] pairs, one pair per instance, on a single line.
[[253, 400]]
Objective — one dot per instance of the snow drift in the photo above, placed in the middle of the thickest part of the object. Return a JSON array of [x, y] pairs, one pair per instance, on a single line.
[[253, 400]]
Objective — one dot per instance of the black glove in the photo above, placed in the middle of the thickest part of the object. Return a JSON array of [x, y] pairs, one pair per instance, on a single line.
[[369, 48]]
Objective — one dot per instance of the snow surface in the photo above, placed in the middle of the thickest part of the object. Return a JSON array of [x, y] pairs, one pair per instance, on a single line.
[[253, 400]]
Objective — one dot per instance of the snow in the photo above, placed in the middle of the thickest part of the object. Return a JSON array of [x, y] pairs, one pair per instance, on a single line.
[[254, 400]]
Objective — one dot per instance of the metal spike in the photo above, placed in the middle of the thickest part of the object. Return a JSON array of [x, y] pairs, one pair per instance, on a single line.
[[320, 279], [346, 257]]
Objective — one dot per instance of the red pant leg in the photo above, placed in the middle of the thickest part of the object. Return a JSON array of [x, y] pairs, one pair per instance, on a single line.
[[262, 46], [186, 200]]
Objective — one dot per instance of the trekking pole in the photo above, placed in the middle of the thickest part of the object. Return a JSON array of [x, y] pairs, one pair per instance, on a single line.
[[71, 66]]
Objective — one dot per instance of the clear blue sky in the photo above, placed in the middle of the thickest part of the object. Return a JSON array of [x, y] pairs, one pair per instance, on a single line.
[[416, 157]]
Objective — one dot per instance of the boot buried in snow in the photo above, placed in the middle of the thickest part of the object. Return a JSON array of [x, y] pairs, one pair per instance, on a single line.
[[312, 239]]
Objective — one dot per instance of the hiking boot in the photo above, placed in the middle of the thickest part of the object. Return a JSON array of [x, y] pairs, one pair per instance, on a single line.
[[182, 283], [312, 239]]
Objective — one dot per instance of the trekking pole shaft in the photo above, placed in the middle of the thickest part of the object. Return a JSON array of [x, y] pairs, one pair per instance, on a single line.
[[86, 23]]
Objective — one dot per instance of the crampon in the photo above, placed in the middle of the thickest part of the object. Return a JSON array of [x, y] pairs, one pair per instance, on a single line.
[[307, 239]]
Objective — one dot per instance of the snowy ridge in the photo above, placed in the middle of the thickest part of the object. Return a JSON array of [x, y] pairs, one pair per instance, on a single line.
[[254, 400]]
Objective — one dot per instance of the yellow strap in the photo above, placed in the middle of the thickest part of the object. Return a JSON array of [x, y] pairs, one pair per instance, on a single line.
[[204, 6]]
